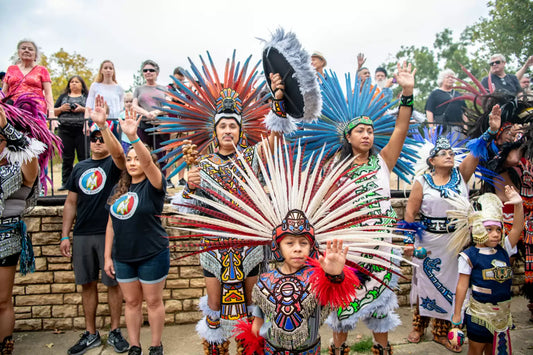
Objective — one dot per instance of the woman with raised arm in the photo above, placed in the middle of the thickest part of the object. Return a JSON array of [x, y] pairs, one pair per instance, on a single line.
[[136, 250]]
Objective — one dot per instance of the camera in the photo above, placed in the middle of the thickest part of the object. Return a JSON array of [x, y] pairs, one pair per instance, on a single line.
[[73, 107]]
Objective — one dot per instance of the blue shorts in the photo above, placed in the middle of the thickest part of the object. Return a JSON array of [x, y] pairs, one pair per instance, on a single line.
[[149, 271]]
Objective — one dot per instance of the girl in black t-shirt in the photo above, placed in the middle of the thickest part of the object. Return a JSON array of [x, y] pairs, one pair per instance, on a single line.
[[136, 250]]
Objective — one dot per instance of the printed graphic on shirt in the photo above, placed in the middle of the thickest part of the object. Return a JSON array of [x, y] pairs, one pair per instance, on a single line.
[[92, 181], [125, 206]]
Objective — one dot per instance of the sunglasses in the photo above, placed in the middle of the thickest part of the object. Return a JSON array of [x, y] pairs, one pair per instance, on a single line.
[[496, 62], [97, 139], [149, 70], [444, 153]]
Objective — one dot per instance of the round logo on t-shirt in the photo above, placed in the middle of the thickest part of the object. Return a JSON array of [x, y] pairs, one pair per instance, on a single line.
[[92, 181], [125, 206]]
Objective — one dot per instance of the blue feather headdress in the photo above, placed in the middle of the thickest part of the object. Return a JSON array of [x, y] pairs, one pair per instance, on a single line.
[[340, 107]]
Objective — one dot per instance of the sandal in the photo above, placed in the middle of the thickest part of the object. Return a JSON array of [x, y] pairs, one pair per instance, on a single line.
[[415, 336], [446, 343]]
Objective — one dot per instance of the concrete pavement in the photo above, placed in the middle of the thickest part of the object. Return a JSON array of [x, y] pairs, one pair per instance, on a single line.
[[183, 340]]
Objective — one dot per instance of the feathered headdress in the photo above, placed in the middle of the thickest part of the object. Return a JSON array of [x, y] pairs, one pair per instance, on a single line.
[[211, 97], [468, 219], [340, 108], [36, 139], [315, 191]]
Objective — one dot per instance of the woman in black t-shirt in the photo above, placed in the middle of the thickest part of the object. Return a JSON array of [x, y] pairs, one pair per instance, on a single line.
[[136, 249], [69, 109]]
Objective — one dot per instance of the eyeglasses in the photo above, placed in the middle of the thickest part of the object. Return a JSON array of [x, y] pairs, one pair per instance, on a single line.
[[496, 62], [149, 70], [128, 101], [444, 153], [97, 139]]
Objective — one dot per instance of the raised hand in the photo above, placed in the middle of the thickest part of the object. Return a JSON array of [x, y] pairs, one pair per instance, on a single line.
[[495, 119], [405, 76], [333, 260], [98, 115], [360, 60], [277, 86], [130, 123], [513, 197]]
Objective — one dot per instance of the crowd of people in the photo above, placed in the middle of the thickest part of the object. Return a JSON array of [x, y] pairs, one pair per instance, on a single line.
[[256, 195]]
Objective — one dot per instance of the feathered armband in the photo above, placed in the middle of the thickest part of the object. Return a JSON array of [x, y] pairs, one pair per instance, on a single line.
[[336, 291], [410, 229]]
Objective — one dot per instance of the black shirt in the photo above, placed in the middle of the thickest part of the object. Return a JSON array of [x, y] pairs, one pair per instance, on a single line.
[[508, 84], [139, 234], [70, 118], [450, 113], [93, 181]]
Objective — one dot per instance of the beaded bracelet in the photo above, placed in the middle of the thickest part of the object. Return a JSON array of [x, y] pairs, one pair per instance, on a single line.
[[407, 100], [278, 107], [336, 279], [454, 323]]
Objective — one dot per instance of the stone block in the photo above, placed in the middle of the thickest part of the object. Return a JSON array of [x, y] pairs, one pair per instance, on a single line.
[[173, 306], [64, 276], [33, 224], [41, 264], [28, 324], [79, 323], [34, 278], [188, 272], [197, 283], [102, 297], [24, 309], [72, 298], [18, 290], [57, 323], [41, 311], [46, 211], [52, 220], [64, 311], [60, 267], [179, 283], [58, 259], [46, 238], [403, 300], [51, 250], [51, 227], [37, 251], [188, 317], [403, 289], [37, 289], [102, 309], [190, 304], [41, 300], [63, 288], [181, 294], [166, 294], [169, 318]]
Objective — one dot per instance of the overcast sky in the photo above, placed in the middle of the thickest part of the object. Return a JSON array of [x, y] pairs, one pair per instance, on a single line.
[[128, 32]]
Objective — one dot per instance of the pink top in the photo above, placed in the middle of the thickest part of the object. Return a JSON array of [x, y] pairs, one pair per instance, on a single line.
[[31, 83]]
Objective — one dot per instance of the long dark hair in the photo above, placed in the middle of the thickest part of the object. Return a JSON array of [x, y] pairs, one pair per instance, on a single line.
[[84, 90], [124, 183], [347, 151]]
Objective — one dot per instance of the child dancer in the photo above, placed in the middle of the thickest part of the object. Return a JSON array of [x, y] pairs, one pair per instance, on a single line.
[[486, 268]]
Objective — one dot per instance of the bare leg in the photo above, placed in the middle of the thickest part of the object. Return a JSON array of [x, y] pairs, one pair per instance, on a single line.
[[338, 340], [114, 299], [153, 294], [249, 283], [7, 313], [381, 338], [133, 296], [89, 297], [475, 348], [213, 293]]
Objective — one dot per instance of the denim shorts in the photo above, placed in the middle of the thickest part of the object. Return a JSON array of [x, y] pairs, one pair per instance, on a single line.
[[149, 271]]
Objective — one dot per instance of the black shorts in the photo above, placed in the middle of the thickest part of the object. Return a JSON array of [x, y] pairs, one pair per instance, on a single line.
[[476, 332], [11, 260], [88, 259], [253, 272]]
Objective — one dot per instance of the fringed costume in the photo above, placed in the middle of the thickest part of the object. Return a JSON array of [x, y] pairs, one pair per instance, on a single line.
[[299, 201], [375, 301]]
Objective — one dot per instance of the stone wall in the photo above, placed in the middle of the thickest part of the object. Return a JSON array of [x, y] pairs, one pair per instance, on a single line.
[[49, 299]]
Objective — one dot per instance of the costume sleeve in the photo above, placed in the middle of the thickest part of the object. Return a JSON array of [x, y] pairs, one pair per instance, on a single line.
[[508, 248], [464, 265]]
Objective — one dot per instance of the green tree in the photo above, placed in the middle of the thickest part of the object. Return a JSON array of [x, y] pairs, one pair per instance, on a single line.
[[508, 29], [63, 65], [138, 80]]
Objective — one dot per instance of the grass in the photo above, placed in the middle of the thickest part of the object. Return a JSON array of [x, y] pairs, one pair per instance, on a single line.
[[362, 346]]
